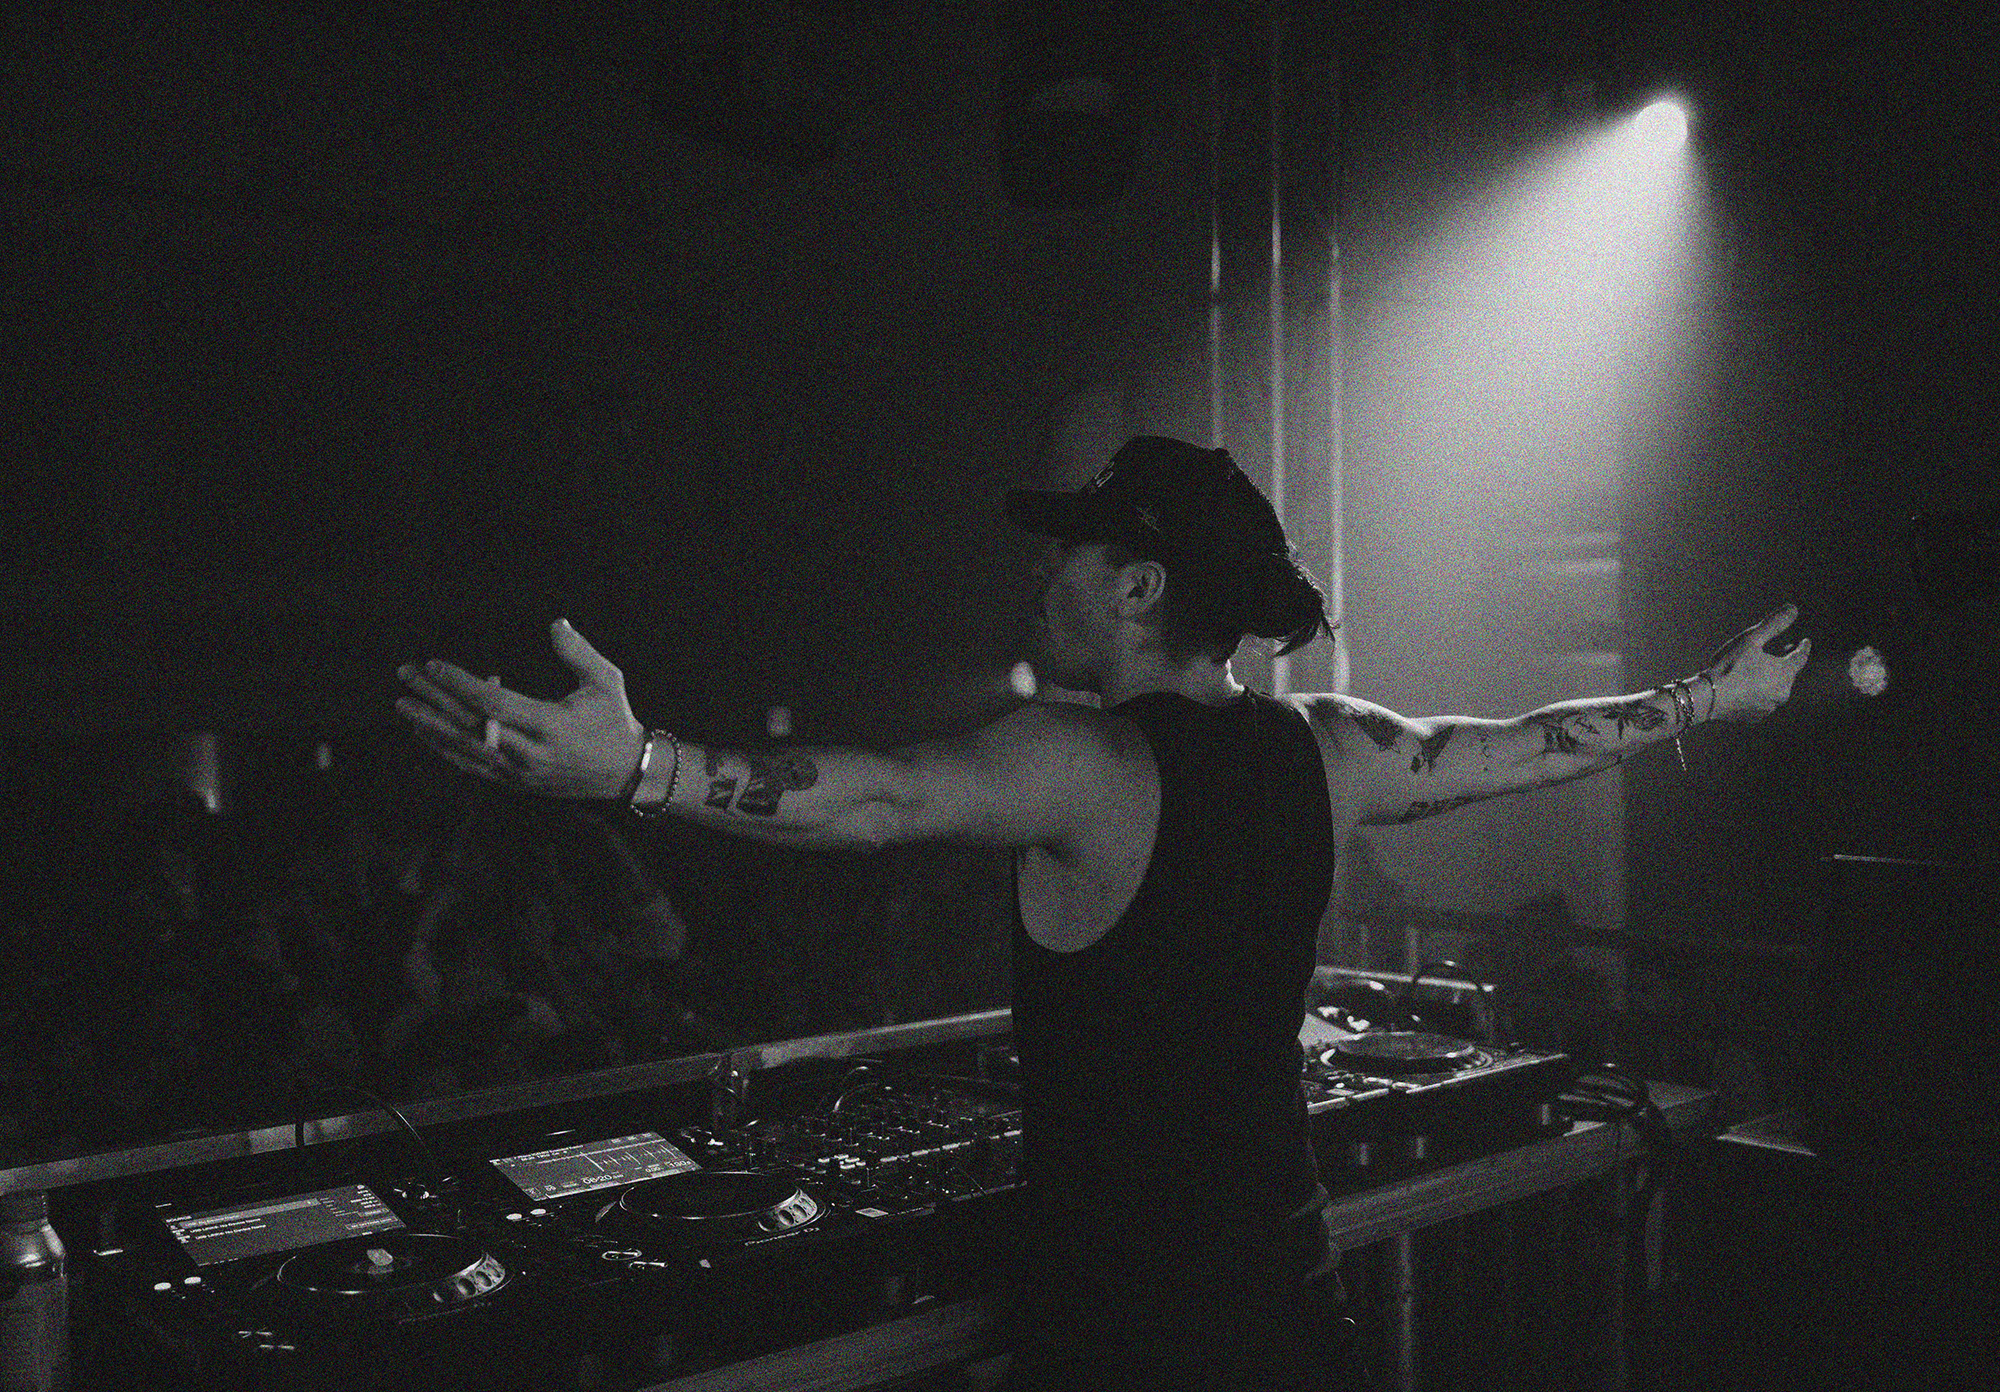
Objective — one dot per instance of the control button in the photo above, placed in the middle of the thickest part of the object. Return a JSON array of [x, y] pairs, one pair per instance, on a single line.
[[517, 1217], [191, 1280], [163, 1285], [538, 1212]]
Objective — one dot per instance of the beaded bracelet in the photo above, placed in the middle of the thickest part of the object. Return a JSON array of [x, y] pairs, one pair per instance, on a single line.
[[656, 809]]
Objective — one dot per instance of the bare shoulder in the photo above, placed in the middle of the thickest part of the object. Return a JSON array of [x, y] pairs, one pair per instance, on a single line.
[[1081, 739], [1347, 725], [1369, 753], [1074, 773]]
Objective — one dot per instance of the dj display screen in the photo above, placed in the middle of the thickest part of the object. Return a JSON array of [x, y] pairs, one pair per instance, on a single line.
[[259, 1229], [579, 1169]]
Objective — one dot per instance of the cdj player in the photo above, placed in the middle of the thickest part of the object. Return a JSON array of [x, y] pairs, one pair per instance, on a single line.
[[622, 1260], [1382, 1097], [608, 1263]]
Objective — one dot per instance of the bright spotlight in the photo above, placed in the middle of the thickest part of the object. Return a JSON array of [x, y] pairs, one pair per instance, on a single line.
[[1662, 126], [1868, 672]]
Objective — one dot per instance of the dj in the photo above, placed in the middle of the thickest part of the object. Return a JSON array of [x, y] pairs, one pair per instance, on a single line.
[[1175, 852]]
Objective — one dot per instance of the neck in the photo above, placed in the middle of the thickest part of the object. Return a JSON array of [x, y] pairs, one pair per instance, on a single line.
[[1141, 672]]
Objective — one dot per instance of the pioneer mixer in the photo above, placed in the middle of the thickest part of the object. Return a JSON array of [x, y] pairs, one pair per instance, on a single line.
[[623, 1260]]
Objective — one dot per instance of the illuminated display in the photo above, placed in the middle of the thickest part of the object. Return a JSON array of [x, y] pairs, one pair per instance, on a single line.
[[278, 1225], [579, 1169]]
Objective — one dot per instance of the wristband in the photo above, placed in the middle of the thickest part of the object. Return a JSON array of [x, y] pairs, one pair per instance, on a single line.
[[638, 774], [673, 778]]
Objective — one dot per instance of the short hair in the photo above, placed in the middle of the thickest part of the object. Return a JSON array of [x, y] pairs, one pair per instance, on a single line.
[[1214, 602]]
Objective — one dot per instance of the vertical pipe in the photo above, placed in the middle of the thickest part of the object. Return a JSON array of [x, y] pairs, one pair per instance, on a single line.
[[1215, 242], [1617, 1375], [1280, 667], [1336, 447], [1402, 1282]]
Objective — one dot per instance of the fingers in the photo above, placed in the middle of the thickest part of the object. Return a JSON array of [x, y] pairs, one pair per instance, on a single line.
[[449, 747], [581, 658], [1752, 640], [1772, 624], [501, 759], [1796, 658], [438, 698], [471, 700]]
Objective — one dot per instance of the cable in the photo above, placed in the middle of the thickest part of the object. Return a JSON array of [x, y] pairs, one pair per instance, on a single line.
[[307, 1091], [1609, 1094]]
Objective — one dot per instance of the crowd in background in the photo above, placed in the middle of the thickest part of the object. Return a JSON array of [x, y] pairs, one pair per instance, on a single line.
[[366, 921]]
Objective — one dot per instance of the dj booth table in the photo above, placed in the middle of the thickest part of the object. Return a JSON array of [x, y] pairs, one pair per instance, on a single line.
[[1396, 1215], [1389, 1213]]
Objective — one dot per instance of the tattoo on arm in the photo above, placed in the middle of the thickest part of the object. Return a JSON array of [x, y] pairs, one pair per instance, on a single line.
[[1429, 749], [1378, 727], [1417, 811], [771, 777], [721, 790], [1639, 713], [1556, 738]]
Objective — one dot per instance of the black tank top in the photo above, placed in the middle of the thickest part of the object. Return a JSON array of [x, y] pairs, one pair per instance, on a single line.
[[1165, 1056]]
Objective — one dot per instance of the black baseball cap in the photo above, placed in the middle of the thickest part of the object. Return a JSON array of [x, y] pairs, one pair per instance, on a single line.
[[1160, 495]]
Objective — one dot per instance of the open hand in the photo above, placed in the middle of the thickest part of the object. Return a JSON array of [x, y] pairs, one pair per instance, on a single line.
[[1750, 683], [583, 746]]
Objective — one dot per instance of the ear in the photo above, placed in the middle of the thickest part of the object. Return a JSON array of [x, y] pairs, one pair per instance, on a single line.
[[1142, 589]]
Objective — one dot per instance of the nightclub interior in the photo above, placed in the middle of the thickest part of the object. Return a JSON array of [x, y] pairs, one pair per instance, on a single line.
[[415, 403]]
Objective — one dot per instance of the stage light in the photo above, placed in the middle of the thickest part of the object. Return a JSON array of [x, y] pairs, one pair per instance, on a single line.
[[1868, 672], [1662, 126]]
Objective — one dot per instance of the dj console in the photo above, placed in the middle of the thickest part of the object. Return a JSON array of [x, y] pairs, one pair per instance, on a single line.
[[1387, 1097], [607, 1263], [621, 1261]]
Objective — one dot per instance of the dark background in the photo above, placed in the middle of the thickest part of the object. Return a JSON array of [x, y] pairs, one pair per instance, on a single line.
[[337, 335]]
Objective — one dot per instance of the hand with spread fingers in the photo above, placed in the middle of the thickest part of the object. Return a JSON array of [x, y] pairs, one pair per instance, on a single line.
[[1749, 681], [584, 746]]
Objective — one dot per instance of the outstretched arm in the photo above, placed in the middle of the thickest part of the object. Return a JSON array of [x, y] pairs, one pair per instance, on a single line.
[[1017, 781], [1383, 767]]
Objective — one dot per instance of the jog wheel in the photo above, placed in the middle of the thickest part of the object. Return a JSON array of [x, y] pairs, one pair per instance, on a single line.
[[388, 1276], [1394, 1052], [712, 1206]]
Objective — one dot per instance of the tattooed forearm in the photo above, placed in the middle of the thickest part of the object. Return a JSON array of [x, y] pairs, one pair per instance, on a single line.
[[1638, 713], [771, 777], [1557, 738]]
